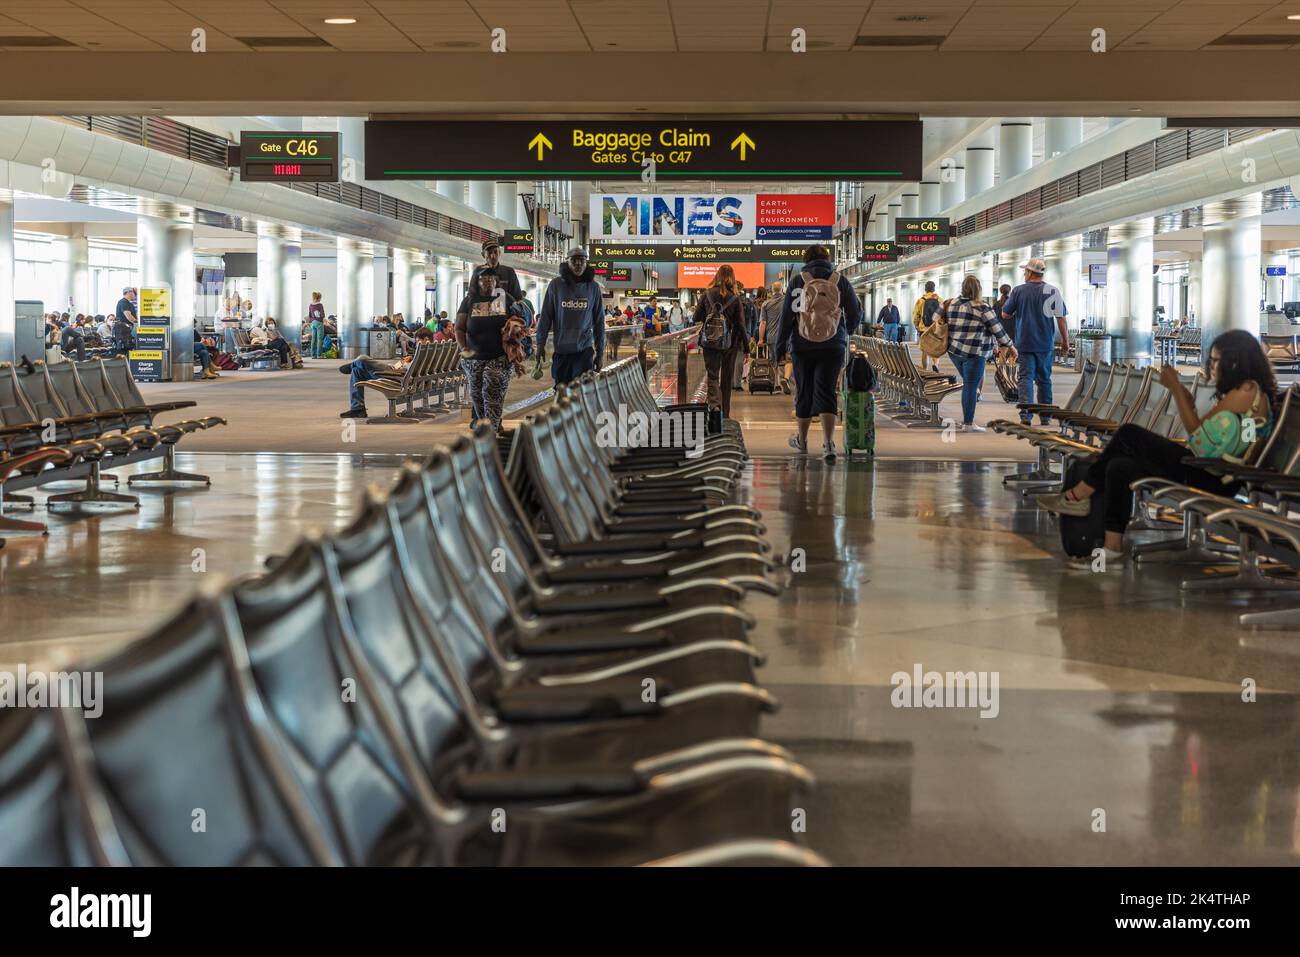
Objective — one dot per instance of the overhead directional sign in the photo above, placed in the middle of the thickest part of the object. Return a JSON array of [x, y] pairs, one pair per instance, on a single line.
[[288, 157], [879, 251], [711, 253], [667, 149], [931, 231]]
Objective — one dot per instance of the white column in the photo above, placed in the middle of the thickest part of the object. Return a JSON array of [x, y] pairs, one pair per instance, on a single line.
[[453, 189], [1193, 291], [72, 263], [1015, 146], [401, 261], [1230, 278], [443, 296], [7, 319], [885, 224], [355, 279], [911, 200], [415, 286], [507, 203], [279, 284], [980, 156], [1070, 281], [482, 195], [380, 265], [952, 185], [1061, 134], [929, 203], [1130, 296], [167, 259]]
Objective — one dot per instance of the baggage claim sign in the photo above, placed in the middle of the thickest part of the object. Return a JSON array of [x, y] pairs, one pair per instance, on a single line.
[[600, 149]]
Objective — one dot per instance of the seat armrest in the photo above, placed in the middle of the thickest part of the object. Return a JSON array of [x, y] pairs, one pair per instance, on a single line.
[[569, 641], [579, 573], [171, 406], [599, 700], [606, 546], [616, 599], [548, 783]]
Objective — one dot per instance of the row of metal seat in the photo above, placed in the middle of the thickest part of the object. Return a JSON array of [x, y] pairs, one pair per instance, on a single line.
[[77, 420], [909, 395], [434, 372], [438, 683]]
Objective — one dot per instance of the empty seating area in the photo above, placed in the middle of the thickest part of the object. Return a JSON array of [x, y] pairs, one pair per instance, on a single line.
[[906, 393], [491, 664], [79, 421]]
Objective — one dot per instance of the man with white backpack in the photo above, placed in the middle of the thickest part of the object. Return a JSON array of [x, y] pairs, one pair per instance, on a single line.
[[819, 309]]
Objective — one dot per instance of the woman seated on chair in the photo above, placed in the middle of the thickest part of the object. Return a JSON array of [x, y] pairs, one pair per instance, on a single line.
[[1241, 417]]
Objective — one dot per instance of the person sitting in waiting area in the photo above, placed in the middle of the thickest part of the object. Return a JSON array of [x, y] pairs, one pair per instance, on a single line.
[[266, 335], [1242, 416], [73, 340], [204, 350], [365, 369]]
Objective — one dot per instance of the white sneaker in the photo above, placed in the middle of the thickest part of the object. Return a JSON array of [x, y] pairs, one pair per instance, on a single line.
[[800, 446], [1113, 561], [828, 451], [974, 428]]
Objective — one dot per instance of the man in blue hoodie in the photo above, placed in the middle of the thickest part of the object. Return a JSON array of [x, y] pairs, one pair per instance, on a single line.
[[573, 305], [818, 340]]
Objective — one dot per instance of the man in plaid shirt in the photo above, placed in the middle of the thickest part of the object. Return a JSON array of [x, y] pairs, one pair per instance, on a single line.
[[973, 327]]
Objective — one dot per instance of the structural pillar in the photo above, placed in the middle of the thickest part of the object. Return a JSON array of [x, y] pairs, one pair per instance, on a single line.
[[415, 286], [1061, 134], [929, 204], [279, 283], [443, 292], [72, 259], [453, 189], [952, 186], [167, 259], [1130, 295], [355, 293], [1230, 265], [7, 318], [482, 196], [912, 199], [507, 203], [1015, 146], [980, 158], [401, 293]]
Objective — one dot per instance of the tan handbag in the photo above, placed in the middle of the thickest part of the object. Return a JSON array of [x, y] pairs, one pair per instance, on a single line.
[[934, 340]]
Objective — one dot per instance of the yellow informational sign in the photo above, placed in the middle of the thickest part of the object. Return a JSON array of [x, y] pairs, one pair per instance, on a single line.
[[143, 355], [152, 330], [155, 302]]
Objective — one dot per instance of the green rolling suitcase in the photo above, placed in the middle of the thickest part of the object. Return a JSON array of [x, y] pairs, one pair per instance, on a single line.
[[859, 423]]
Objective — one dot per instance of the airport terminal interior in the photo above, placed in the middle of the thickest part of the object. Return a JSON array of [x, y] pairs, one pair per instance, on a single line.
[[615, 432]]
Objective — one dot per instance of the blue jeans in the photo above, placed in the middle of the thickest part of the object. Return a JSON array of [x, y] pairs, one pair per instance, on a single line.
[[891, 331], [361, 372], [229, 340], [203, 357], [971, 370], [317, 336], [1035, 370]]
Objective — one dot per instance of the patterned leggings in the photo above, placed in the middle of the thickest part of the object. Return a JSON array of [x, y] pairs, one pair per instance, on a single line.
[[488, 380]]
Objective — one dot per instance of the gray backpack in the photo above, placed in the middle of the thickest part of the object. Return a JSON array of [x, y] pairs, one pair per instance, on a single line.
[[715, 330]]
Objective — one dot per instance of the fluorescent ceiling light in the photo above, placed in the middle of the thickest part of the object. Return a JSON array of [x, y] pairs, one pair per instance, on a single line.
[[341, 21]]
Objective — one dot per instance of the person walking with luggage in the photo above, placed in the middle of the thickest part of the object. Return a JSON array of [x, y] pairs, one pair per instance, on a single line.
[[480, 324], [1039, 313], [507, 278], [721, 321], [890, 320], [923, 317], [573, 305], [820, 308], [973, 328]]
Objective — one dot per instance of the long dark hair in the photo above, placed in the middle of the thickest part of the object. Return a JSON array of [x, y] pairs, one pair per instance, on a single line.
[[1241, 359]]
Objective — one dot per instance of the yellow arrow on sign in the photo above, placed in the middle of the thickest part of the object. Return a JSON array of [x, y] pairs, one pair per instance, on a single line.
[[541, 144], [744, 142]]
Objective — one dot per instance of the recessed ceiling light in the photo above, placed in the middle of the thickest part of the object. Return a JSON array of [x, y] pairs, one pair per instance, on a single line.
[[340, 21], [1135, 109], [1293, 16]]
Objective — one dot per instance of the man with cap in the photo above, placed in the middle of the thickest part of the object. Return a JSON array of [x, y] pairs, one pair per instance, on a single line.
[[1039, 313], [124, 323], [507, 279], [573, 306]]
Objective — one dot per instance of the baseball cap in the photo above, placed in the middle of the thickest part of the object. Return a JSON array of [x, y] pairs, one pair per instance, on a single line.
[[1035, 265], [490, 242], [576, 251]]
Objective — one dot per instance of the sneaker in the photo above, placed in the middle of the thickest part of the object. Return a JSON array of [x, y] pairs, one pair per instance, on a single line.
[[800, 446], [1058, 504], [785, 386], [828, 451], [354, 413], [974, 428], [1113, 560]]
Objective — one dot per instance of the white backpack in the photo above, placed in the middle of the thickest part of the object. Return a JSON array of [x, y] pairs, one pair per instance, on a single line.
[[819, 319]]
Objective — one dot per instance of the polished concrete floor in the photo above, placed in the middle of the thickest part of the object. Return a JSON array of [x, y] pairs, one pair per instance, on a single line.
[[1116, 693]]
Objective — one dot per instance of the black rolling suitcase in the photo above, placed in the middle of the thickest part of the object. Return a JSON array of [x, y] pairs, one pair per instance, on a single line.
[[762, 372], [1080, 537], [1005, 377]]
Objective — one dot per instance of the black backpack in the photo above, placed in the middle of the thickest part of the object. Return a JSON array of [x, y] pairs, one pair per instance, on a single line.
[[715, 330], [929, 309], [860, 377]]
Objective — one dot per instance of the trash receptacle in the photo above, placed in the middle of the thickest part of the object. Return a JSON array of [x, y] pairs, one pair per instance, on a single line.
[[1091, 349], [381, 344]]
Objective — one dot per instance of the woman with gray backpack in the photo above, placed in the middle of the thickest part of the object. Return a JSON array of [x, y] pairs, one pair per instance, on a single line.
[[720, 316], [820, 307]]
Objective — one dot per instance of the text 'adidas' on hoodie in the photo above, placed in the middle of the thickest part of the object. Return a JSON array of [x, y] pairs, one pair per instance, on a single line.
[[572, 305]]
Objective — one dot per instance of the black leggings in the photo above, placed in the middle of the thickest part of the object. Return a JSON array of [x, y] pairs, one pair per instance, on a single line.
[[1134, 453]]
